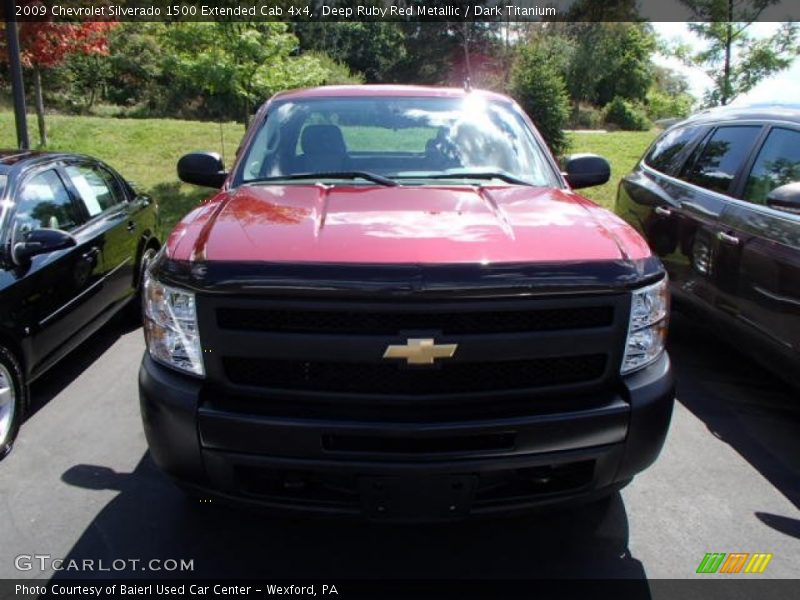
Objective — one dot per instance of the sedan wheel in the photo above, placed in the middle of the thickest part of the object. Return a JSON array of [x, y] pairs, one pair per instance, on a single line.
[[10, 400]]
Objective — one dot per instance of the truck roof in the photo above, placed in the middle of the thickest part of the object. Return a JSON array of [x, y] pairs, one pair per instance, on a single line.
[[366, 91]]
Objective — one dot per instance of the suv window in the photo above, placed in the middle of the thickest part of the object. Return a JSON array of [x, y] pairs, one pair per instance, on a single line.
[[667, 153], [44, 202], [777, 164], [98, 189], [721, 157]]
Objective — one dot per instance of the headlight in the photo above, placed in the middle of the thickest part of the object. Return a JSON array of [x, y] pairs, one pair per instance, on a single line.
[[647, 329], [170, 327]]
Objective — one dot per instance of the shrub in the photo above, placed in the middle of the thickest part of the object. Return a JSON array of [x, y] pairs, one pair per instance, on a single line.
[[664, 106], [626, 115], [586, 116], [542, 93]]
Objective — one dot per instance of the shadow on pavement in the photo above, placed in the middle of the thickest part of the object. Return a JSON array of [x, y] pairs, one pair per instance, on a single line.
[[151, 518], [785, 525], [742, 404]]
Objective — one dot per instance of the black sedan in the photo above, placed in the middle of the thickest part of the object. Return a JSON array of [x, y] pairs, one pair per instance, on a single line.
[[74, 239], [718, 198]]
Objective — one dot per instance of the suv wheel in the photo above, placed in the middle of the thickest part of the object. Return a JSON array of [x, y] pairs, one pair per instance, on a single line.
[[12, 394]]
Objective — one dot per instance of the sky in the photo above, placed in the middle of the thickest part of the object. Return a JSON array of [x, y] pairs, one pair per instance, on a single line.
[[783, 87]]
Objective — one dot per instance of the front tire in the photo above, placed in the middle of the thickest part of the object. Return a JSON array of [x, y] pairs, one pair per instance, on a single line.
[[12, 400]]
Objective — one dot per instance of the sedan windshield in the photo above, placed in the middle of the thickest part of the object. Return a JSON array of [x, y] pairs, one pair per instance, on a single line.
[[410, 140]]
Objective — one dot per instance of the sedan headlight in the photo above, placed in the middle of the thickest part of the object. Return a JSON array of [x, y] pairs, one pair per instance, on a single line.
[[647, 329], [170, 326]]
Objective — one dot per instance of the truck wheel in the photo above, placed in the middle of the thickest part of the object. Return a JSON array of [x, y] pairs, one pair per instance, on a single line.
[[12, 400]]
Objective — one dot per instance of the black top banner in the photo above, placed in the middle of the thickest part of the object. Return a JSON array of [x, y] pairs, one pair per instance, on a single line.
[[404, 10]]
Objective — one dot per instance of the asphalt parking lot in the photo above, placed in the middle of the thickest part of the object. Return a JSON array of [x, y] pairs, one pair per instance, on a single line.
[[80, 484]]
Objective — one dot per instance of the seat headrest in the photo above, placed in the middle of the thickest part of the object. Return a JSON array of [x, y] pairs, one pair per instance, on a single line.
[[322, 139]]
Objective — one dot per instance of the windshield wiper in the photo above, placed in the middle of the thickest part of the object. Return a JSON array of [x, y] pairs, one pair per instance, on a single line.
[[476, 175], [373, 177]]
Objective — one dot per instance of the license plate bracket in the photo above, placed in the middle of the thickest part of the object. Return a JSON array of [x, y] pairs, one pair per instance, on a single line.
[[417, 497]]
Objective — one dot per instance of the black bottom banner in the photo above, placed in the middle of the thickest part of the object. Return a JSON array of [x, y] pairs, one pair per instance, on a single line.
[[627, 589]]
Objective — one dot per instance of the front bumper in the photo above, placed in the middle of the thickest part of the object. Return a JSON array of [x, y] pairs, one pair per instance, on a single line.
[[390, 470]]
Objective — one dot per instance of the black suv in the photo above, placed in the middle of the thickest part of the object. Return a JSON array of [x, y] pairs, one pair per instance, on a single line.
[[718, 198], [74, 237]]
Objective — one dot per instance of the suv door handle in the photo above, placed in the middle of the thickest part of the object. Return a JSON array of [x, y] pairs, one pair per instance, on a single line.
[[131, 226], [91, 254], [727, 238], [663, 212]]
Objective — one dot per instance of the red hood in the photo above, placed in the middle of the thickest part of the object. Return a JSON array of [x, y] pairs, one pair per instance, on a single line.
[[402, 225]]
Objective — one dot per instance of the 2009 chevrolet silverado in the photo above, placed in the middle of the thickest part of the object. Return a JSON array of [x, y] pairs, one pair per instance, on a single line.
[[396, 306]]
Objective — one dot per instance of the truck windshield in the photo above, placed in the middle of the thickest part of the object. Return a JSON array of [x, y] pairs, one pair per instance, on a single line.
[[411, 140]]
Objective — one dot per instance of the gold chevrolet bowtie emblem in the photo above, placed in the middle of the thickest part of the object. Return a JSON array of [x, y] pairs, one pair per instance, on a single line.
[[420, 351]]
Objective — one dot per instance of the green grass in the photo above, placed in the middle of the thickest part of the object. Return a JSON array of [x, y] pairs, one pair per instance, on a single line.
[[145, 151], [622, 149]]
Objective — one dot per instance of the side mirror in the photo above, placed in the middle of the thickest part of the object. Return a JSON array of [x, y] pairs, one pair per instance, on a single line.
[[40, 241], [202, 168], [786, 198], [586, 170]]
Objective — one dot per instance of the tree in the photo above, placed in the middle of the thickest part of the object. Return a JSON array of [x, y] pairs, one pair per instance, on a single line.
[[669, 95], [45, 44], [733, 59], [610, 60], [245, 61], [541, 91], [369, 47], [136, 60]]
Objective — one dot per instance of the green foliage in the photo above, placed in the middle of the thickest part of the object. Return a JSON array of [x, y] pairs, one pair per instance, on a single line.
[[669, 95], [136, 61], [626, 115], [663, 106], [542, 93], [554, 45], [218, 70], [734, 60], [335, 72], [610, 60], [668, 81], [243, 61], [586, 116], [429, 50], [369, 47]]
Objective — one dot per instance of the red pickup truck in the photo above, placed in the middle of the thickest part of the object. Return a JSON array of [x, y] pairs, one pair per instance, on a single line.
[[395, 306]]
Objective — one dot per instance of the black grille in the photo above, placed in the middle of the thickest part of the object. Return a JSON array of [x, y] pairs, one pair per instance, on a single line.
[[380, 378], [390, 323]]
